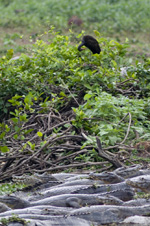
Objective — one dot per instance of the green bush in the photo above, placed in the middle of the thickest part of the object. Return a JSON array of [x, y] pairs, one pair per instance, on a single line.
[[57, 72]]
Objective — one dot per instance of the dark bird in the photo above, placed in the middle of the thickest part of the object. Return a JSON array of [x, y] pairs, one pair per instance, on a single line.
[[90, 43]]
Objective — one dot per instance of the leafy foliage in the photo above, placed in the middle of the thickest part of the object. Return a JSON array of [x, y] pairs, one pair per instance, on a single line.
[[59, 78], [13, 219], [9, 188], [110, 15], [109, 110]]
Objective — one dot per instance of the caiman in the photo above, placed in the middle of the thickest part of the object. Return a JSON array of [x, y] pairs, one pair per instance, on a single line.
[[127, 172], [14, 202], [101, 188], [109, 214], [81, 182], [99, 214], [88, 189], [75, 177], [42, 210], [137, 202], [122, 194], [110, 200], [71, 199], [141, 182], [43, 181], [49, 192], [36, 181], [35, 178], [120, 174], [107, 177], [3, 207], [33, 220], [66, 200]]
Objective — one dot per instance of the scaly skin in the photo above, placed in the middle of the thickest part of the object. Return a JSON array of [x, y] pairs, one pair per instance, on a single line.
[[14, 202], [123, 194], [66, 200], [127, 172], [42, 209], [137, 202], [110, 200], [58, 191], [4, 208], [70, 200], [107, 177], [42, 220], [86, 189], [99, 214], [81, 182], [109, 214], [141, 182], [101, 188], [34, 179], [80, 201]]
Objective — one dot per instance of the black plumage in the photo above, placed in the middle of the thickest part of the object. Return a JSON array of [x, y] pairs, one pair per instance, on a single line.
[[90, 43]]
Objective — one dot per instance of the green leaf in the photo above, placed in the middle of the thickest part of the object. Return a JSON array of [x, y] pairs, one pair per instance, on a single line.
[[40, 134], [67, 125], [97, 33], [4, 149], [87, 96], [62, 94], [15, 136], [28, 99], [15, 120], [9, 53], [32, 146], [2, 135]]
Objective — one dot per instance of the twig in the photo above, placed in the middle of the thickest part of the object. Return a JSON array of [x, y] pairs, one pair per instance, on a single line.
[[71, 166], [129, 125], [71, 155], [106, 156], [130, 79], [49, 120], [24, 128], [70, 92]]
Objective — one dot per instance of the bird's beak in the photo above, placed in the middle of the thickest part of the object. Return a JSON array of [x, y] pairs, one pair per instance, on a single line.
[[79, 47]]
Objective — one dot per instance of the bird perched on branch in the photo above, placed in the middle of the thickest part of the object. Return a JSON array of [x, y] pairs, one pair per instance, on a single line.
[[90, 43]]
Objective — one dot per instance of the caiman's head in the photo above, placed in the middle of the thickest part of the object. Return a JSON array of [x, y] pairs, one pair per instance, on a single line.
[[14, 202]]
